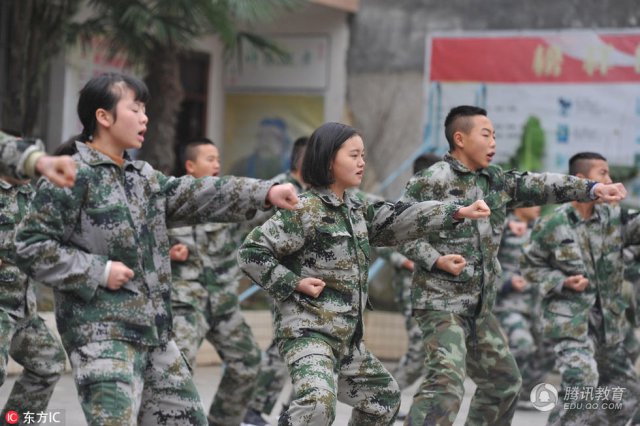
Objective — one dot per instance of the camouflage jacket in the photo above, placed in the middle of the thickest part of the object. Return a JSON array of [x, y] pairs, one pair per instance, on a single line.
[[211, 269], [288, 178], [17, 297], [211, 266], [563, 244], [507, 299], [473, 292], [119, 214], [329, 239], [18, 156]]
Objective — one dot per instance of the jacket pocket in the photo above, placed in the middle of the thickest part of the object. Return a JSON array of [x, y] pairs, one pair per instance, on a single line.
[[333, 249], [564, 319]]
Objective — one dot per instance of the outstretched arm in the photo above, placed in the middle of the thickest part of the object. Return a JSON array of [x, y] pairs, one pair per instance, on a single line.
[[392, 224], [24, 158]]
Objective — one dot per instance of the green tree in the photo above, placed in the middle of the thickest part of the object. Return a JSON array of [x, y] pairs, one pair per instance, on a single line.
[[530, 153], [35, 32], [154, 33]]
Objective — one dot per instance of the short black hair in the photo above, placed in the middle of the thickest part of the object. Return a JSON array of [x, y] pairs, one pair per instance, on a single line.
[[458, 120], [104, 91], [581, 162], [190, 148], [297, 152], [321, 150], [424, 161]]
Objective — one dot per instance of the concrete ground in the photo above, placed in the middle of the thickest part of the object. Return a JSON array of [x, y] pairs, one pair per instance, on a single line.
[[65, 401]]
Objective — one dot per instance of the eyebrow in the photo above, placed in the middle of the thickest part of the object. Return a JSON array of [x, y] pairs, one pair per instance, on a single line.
[[488, 130]]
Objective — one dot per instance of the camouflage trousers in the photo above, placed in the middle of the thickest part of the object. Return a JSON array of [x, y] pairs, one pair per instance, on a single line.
[[321, 378], [123, 383], [238, 349], [271, 380], [411, 365], [632, 344], [32, 345], [585, 365], [534, 360], [458, 346]]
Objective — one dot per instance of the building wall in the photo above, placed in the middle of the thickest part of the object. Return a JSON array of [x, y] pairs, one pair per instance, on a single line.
[[311, 21], [386, 61], [73, 68]]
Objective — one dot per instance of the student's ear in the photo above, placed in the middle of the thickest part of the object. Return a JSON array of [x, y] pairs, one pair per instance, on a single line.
[[103, 117], [581, 176], [189, 166], [458, 140]]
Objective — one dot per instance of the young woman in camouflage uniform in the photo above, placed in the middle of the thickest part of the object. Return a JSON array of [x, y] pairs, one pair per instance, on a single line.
[[103, 247], [314, 260]]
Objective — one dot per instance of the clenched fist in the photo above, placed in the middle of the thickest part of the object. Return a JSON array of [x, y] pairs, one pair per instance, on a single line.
[[119, 275], [451, 263], [477, 210], [311, 287]]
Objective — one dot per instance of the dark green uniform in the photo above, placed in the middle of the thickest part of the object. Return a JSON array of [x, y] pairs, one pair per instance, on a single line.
[[23, 334], [127, 367], [586, 328], [461, 334], [321, 339]]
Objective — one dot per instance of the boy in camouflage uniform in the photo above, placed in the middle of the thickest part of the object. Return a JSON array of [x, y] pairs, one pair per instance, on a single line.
[[24, 158], [314, 261], [204, 299], [103, 247], [575, 258], [410, 367], [515, 303], [631, 291], [23, 333], [461, 334], [273, 372]]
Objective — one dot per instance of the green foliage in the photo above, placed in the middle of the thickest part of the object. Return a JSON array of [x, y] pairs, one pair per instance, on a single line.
[[139, 28], [622, 173], [530, 153]]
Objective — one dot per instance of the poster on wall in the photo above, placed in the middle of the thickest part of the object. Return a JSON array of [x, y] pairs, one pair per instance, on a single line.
[[582, 88], [304, 65], [260, 130]]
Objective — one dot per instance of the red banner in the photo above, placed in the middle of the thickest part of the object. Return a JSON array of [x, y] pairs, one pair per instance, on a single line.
[[554, 57]]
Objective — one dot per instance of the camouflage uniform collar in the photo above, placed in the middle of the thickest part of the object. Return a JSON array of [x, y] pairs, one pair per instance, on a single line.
[[575, 217], [459, 167], [292, 180], [287, 177], [328, 196], [4, 184], [25, 189], [94, 157]]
